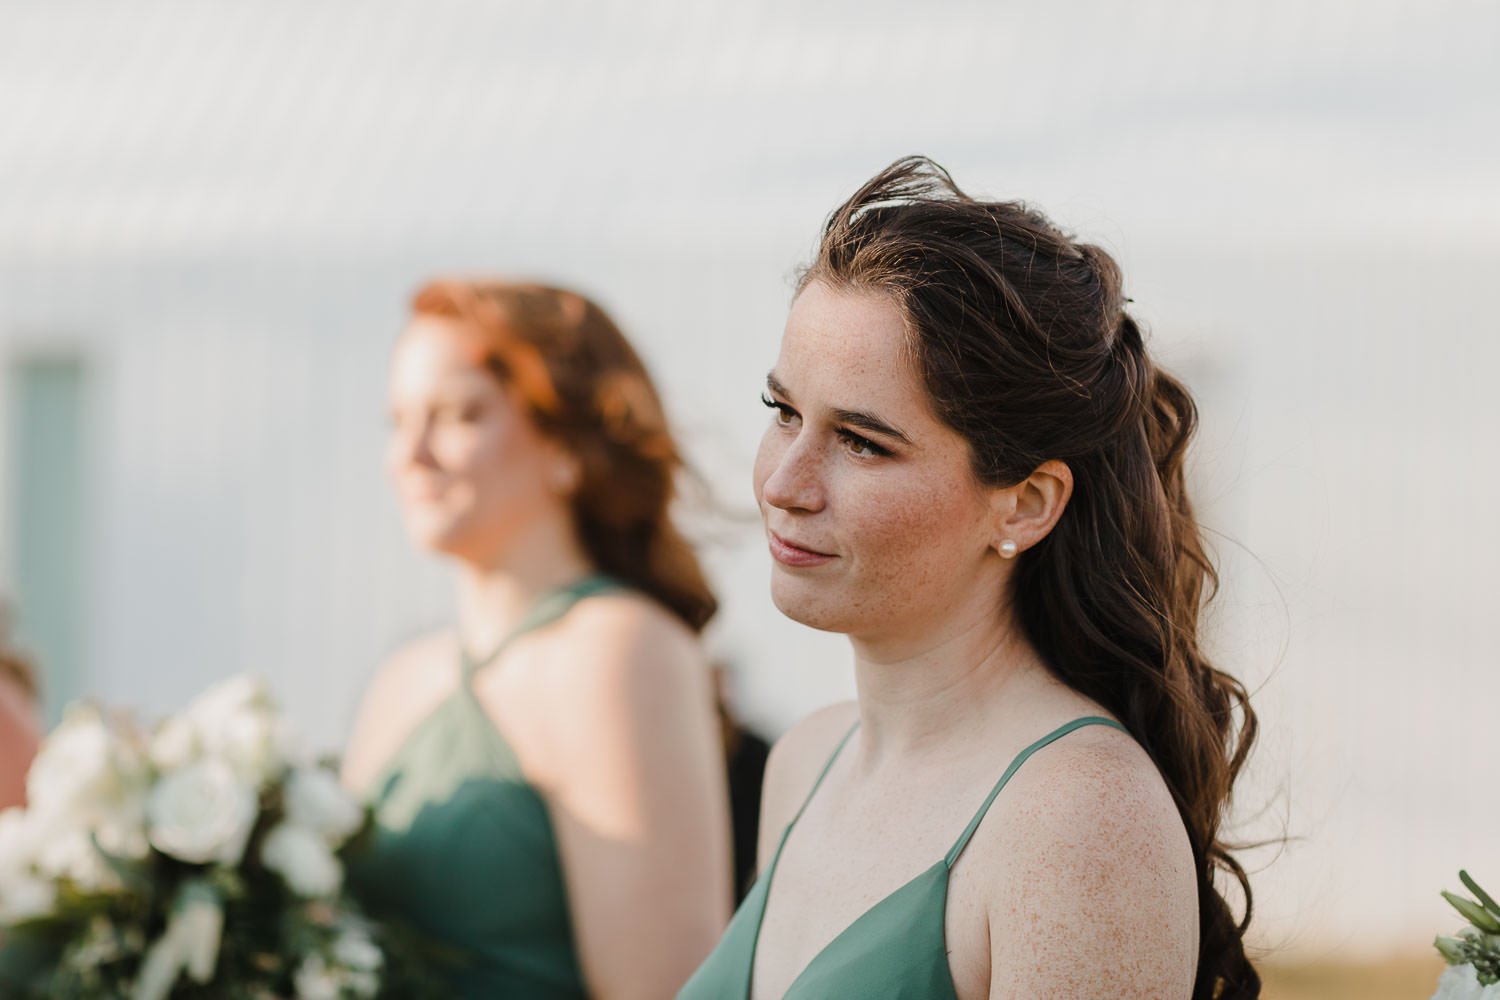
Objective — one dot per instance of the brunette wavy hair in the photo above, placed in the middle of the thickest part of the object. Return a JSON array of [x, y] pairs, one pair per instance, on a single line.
[[1021, 336], [584, 386]]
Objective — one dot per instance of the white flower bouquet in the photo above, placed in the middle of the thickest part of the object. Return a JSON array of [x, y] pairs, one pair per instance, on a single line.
[[202, 859], [1473, 954]]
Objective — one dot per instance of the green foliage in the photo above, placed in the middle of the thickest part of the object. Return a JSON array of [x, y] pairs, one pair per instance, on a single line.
[[1479, 943], [92, 949]]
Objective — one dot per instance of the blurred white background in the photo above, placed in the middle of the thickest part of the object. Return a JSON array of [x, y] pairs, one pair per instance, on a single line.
[[211, 217]]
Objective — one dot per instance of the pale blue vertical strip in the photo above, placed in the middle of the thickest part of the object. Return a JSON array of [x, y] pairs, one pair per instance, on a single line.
[[47, 521]]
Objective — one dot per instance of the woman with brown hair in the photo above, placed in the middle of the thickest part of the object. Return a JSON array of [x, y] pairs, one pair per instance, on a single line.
[[547, 777], [974, 469]]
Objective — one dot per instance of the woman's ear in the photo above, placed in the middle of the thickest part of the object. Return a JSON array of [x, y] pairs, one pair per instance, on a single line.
[[564, 475], [561, 470], [1026, 512]]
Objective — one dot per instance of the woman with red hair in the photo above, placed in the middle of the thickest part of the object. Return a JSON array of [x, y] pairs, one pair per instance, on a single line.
[[548, 785]]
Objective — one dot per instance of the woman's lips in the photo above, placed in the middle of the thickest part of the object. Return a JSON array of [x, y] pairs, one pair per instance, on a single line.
[[421, 491], [790, 554]]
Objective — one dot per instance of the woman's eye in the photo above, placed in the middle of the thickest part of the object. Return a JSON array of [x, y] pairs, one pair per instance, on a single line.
[[784, 414], [862, 447], [458, 414]]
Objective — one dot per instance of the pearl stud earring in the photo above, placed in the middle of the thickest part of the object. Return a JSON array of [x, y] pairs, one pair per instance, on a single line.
[[1008, 549]]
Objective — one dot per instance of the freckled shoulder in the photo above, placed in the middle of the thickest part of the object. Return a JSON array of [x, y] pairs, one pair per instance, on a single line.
[[1093, 777], [1086, 875]]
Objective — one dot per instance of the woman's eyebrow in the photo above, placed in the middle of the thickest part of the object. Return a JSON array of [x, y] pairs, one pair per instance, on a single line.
[[869, 422], [854, 418]]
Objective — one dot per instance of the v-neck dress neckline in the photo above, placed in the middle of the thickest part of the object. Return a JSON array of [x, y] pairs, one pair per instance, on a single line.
[[895, 950]]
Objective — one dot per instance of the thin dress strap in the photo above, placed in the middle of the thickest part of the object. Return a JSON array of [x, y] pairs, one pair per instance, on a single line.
[[544, 612], [1015, 765], [821, 775]]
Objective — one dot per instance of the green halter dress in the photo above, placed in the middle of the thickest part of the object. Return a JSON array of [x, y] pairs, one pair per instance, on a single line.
[[464, 849], [896, 950]]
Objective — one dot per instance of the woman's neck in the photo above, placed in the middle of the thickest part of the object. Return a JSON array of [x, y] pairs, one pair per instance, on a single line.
[[933, 694], [496, 593]]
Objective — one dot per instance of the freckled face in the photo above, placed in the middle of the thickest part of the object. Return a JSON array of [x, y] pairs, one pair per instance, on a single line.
[[470, 468], [876, 525]]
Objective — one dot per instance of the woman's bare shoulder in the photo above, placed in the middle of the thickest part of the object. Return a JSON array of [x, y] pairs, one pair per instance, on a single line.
[[1095, 792], [796, 760], [1088, 834], [414, 666], [620, 638], [615, 673], [404, 688], [627, 612]]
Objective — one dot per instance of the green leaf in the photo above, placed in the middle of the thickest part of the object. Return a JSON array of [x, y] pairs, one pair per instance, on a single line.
[[27, 956], [1473, 913], [1485, 899], [228, 882]]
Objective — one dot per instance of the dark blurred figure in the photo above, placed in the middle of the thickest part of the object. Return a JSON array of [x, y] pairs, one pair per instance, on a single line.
[[20, 729], [745, 754]]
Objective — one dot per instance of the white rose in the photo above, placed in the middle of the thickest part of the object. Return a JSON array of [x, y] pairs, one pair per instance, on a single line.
[[22, 894], [316, 981], [71, 855], [229, 697], [175, 743], [80, 764], [236, 719], [249, 741], [302, 858], [62, 846], [119, 826], [88, 779], [202, 813], [316, 800], [18, 843], [363, 984], [355, 951], [24, 897], [31, 852]]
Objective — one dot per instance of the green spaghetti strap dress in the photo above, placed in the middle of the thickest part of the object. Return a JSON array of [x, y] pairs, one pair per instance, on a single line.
[[463, 847], [895, 951]]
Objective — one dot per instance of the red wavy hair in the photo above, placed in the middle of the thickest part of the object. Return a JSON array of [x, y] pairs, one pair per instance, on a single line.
[[585, 386]]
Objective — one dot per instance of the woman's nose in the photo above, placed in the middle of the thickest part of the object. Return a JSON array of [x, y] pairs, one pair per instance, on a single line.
[[413, 445], [795, 481]]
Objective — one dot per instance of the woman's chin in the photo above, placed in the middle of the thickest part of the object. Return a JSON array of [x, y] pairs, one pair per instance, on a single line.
[[806, 603], [439, 536]]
